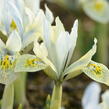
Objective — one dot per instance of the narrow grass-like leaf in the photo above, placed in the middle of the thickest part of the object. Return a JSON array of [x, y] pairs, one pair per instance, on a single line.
[[8, 97]]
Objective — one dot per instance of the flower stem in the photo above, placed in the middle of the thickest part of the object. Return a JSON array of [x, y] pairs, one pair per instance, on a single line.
[[101, 31], [8, 97], [56, 96], [20, 89]]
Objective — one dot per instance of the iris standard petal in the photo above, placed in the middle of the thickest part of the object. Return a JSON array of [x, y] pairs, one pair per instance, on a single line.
[[49, 44], [5, 17], [14, 42], [49, 14], [62, 50], [16, 16], [81, 63], [56, 30], [73, 38], [34, 5]]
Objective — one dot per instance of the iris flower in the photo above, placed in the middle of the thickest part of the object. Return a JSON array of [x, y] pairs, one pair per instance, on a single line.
[[91, 97], [97, 9], [25, 16], [8, 55], [57, 50], [54, 56]]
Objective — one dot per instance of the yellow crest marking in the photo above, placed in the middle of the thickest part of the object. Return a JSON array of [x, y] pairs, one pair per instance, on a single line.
[[7, 62], [97, 70], [33, 62], [99, 6], [13, 25]]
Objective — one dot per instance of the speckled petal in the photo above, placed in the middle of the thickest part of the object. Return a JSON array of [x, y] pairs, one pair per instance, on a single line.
[[97, 72], [29, 63]]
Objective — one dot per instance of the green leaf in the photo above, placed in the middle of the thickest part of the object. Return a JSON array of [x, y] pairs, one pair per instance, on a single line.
[[3, 37], [48, 100], [20, 106], [0, 103], [29, 63], [8, 97], [20, 83], [97, 72]]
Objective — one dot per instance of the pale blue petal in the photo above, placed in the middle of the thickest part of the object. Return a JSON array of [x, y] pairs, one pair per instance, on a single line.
[[16, 16], [5, 16], [91, 96]]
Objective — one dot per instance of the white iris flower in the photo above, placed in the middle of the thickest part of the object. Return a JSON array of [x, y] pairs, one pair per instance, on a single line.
[[25, 16], [8, 55], [20, 24], [57, 49], [91, 97], [97, 9]]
